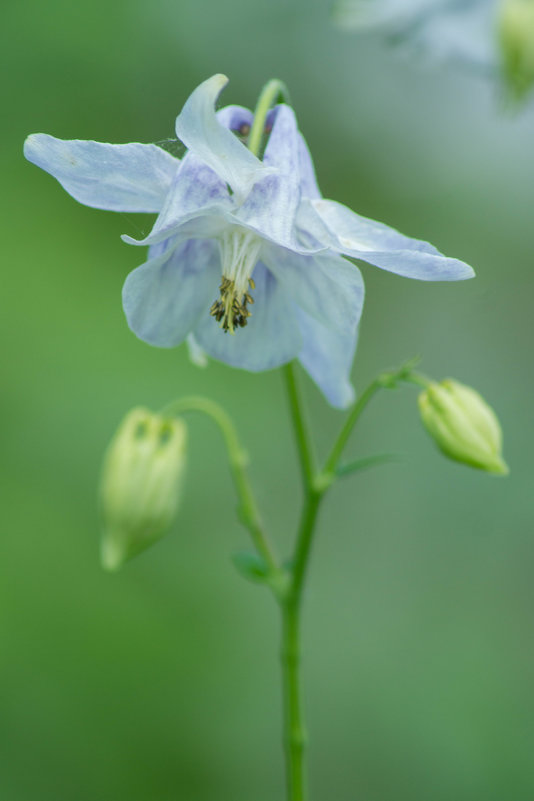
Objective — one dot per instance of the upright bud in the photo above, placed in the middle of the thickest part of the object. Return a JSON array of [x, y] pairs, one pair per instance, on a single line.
[[140, 485], [463, 426], [516, 34]]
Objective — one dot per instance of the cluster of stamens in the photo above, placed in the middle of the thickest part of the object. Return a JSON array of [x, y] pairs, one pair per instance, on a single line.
[[231, 310]]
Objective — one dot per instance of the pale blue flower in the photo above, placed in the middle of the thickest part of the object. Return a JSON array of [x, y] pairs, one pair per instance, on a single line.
[[461, 31], [232, 231]]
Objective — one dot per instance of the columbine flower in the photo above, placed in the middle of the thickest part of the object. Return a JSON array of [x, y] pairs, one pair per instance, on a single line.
[[245, 256], [490, 36]]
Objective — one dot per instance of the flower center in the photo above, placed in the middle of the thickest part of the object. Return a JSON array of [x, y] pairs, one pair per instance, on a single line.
[[239, 255]]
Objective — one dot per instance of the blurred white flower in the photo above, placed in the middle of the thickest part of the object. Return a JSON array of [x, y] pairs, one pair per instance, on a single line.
[[492, 37]]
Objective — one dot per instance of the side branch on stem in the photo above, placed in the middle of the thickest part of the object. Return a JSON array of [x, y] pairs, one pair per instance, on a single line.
[[386, 380], [248, 510]]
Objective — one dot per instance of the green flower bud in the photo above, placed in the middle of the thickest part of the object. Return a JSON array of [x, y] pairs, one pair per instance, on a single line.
[[140, 486], [516, 34], [463, 426]]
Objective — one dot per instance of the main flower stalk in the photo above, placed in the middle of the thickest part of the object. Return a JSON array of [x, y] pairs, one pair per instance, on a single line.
[[316, 482], [294, 734]]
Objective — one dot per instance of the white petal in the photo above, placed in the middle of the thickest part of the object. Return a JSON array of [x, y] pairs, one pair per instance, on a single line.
[[378, 244], [165, 297], [325, 285], [198, 128], [272, 203], [327, 357], [271, 337], [196, 190], [197, 355], [308, 181], [132, 177]]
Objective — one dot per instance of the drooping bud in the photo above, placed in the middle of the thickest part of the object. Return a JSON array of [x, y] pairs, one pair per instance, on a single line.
[[516, 34], [140, 486], [463, 426]]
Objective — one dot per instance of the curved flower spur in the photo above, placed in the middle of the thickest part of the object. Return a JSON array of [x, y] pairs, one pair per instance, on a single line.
[[245, 258]]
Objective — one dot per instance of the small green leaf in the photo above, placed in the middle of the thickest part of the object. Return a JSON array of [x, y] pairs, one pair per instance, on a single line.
[[251, 566], [368, 461]]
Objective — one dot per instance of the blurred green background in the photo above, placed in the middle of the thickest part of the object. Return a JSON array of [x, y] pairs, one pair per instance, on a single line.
[[161, 683]]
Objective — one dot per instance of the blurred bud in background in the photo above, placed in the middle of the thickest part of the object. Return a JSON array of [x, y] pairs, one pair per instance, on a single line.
[[140, 486], [463, 426], [516, 31]]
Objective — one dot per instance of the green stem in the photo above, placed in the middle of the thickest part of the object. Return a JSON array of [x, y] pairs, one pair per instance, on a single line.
[[316, 484], [273, 92], [294, 729], [291, 602], [301, 426], [417, 378], [349, 468], [238, 464], [295, 738], [350, 422], [387, 380], [304, 543]]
